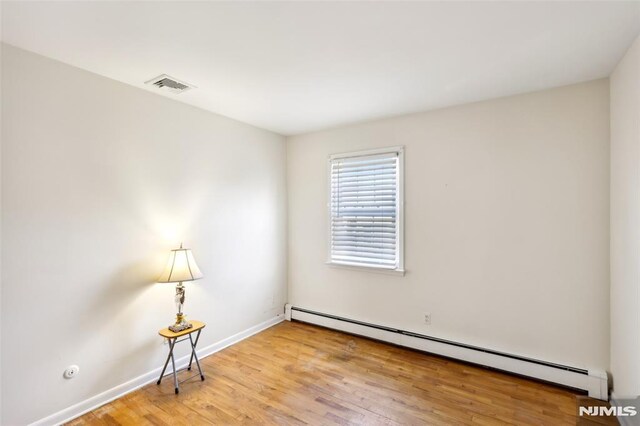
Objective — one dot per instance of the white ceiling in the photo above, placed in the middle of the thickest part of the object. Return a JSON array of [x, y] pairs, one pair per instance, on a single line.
[[295, 67]]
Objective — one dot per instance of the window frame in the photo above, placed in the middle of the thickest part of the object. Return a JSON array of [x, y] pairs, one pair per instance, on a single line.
[[399, 269]]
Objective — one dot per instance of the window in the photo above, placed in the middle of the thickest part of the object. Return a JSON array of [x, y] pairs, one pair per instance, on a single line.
[[365, 209]]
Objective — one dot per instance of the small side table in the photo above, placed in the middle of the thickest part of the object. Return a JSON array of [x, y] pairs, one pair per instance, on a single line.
[[173, 339]]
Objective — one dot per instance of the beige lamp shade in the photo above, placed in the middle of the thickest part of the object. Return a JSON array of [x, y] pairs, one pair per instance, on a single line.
[[181, 267]]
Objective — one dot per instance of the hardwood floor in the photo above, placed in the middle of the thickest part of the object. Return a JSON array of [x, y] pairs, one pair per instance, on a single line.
[[296, 373]]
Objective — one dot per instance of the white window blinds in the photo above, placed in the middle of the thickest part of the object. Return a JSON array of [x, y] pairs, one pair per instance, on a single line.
[[364, 207]]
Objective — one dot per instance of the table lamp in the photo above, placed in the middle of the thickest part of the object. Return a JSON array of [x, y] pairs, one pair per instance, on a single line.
[[180, 268]]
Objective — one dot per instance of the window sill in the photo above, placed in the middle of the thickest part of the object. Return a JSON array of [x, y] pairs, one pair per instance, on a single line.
[[397, 272]]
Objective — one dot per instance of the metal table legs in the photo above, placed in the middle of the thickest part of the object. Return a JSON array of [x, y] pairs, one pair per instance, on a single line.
[[193, 354], [172, 345]]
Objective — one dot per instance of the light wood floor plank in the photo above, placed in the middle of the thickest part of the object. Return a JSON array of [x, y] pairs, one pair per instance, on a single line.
[[297, 374]]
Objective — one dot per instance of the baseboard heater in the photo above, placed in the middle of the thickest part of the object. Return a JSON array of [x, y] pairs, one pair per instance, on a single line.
[[595, 382]]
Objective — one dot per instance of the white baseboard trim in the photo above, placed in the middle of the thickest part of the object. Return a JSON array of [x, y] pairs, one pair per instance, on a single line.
[[592, 381], [116, 392], [625, 420]]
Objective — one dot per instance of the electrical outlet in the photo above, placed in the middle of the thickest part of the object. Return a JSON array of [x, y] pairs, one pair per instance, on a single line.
[[427, 319], [71, 372]]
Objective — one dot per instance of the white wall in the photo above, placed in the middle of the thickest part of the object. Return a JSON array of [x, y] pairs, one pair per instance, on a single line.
[[99, 181], [1, 50], [625, 224], [507, 225]]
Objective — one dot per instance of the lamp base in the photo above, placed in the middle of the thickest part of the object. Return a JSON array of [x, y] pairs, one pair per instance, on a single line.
[[181, 324]]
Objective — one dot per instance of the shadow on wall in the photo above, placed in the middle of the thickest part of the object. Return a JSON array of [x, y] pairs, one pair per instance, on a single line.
[[120, 313], [121, 290]]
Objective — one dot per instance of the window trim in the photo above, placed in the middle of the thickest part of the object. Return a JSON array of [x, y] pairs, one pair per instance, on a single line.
[[399, 269]]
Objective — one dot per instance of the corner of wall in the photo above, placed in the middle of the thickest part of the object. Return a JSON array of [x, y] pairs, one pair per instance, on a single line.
[[1, 133], [287, 141], [624, 95]]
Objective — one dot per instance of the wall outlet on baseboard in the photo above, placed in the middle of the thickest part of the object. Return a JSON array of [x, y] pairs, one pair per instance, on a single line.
[[427, 319]]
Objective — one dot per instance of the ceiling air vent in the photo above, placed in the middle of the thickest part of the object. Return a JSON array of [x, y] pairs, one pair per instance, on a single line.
[[169, 84]]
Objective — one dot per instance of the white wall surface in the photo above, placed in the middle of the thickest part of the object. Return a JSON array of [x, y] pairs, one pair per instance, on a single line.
[[99, 181], [625, 224], [1, 50], [506, 225]]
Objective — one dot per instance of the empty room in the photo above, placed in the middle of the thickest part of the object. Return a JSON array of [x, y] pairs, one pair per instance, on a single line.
[[320, 213]]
